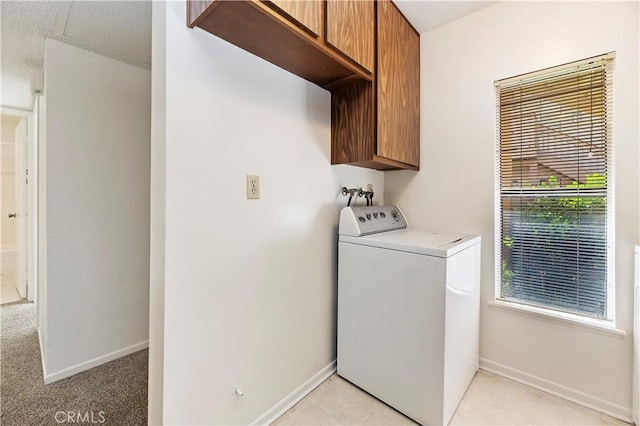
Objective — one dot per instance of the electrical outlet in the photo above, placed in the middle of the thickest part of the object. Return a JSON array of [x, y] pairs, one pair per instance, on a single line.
[[253, 187], [369, 187]]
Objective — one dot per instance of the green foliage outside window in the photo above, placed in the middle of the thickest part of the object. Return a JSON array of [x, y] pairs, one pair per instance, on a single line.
[[554, 248]]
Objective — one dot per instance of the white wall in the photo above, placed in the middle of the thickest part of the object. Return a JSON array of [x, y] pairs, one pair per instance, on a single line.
[[97, 209], [157, 241], [250, 285], [8, 126], [455, 188]]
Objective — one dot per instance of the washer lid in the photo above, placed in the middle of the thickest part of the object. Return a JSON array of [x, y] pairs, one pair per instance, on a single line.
[[417, 241]]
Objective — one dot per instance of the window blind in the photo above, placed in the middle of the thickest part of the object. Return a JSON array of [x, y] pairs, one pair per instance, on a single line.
[[554, 178]]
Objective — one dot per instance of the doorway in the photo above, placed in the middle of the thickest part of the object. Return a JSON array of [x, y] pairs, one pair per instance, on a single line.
[[14, 256]]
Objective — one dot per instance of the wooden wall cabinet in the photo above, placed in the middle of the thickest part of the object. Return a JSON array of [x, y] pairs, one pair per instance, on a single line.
[[306, 13], [351, 30], [291, 35], [377, 124], [365, 52]]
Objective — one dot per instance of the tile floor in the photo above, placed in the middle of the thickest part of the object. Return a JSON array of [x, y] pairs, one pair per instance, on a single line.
[[490, 400]]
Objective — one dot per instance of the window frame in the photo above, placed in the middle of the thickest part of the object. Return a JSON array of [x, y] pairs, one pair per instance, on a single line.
[[607, 322]]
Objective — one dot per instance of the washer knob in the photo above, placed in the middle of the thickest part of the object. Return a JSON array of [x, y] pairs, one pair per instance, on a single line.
[[369, 216], [362, 219], [382, 215], [395, 215]]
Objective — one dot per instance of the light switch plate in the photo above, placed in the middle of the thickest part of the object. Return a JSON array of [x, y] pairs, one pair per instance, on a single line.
[[253, 187]]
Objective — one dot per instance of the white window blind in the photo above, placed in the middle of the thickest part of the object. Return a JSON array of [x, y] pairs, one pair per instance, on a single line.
[[554, 179]]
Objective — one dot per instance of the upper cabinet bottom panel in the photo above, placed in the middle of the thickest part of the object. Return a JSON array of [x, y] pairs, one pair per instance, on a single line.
[[258, 28]]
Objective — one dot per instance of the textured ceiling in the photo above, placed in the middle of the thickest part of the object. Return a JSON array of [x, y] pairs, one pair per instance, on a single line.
[[25, 24], [122, 30], [118, 29]]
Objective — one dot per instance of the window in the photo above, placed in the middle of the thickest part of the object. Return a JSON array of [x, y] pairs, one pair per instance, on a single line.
[[555, 215]]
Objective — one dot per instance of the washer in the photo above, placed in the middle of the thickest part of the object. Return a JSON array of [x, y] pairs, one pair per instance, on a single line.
[[408, 312]]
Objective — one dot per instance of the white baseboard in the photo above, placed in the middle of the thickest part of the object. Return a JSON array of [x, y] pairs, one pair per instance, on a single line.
[[296, 396], [590, 401], [83, 366]]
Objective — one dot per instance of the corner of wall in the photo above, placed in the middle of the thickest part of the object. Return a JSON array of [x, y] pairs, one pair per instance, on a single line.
[[157, 215], [42, 227]]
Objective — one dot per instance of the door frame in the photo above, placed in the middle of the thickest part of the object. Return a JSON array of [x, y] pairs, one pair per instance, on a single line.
[[21, 147]]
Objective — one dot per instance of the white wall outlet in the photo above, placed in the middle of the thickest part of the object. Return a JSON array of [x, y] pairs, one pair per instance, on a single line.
[[369, 187], [253, 187]]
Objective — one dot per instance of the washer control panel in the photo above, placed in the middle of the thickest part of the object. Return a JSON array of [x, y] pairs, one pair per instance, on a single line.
[[364, 220]]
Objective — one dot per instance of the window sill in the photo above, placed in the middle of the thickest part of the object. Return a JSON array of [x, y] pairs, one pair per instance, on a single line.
[[594, 325]]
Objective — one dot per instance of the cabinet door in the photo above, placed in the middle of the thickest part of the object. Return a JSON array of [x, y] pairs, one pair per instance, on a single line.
[[350, 29], [398, 84], [307, 14]]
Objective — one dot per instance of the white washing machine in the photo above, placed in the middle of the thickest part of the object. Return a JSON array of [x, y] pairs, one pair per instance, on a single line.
[[408, 312]]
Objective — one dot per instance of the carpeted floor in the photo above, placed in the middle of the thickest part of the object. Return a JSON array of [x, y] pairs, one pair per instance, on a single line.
[[113, 394]]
